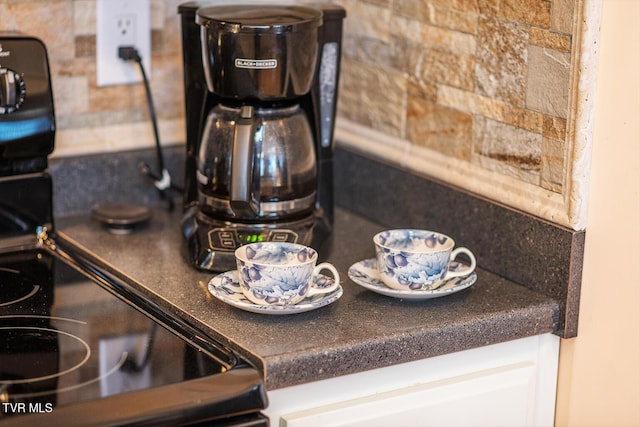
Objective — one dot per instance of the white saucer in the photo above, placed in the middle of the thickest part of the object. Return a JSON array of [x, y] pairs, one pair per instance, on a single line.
[[365, 274], [226, 288]]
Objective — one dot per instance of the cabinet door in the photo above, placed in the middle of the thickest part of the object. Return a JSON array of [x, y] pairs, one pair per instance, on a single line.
[[511, 383], [494, 397]]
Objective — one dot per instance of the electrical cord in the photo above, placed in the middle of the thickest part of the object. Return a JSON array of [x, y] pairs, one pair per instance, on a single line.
[[161, 180]]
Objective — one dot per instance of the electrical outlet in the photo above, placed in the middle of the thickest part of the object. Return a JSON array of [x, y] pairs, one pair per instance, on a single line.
[[122, 23], [126, 29]]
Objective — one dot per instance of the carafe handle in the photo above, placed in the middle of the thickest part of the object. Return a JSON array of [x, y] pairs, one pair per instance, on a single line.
[[242, 197]]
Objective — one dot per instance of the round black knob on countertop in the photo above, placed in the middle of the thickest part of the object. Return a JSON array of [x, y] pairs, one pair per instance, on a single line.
[[12, 91], [121, 217]]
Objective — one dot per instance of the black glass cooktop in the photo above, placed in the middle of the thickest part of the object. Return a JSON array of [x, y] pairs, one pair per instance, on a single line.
[[80, 345], [65, 339]]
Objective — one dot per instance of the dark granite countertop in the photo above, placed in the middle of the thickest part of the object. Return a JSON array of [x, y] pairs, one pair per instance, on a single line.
[[362, 330]]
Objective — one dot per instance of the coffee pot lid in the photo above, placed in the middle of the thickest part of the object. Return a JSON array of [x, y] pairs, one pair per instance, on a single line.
[[259, 18]]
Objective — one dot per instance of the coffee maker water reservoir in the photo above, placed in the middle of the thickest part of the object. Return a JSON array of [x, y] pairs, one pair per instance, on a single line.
[[260, 95]]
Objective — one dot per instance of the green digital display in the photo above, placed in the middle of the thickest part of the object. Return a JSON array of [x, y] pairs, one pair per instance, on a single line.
[[251, 237]]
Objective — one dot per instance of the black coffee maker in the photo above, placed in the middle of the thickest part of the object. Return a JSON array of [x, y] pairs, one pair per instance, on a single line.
[[260, 92]]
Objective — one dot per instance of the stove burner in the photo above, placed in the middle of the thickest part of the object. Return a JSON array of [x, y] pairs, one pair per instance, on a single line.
[[14, 287], [30, 337], [30, 366]]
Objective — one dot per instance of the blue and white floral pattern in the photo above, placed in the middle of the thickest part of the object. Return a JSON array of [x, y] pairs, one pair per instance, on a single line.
[[277, 253], [226, 287], [412, 259], [276, 273], [414, 271], [365, 273], [271, 285], [413, 240]]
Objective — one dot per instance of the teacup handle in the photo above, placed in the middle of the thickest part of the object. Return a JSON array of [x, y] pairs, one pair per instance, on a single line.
[[336, 279], [465, 271]]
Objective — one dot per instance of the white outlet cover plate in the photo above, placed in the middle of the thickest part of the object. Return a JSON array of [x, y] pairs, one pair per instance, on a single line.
[[122, 22]]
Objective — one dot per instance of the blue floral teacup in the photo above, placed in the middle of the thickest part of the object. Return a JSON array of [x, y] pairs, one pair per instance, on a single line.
[[419, 260], [277, 273]]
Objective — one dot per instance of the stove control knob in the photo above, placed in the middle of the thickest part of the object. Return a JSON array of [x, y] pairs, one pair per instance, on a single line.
[[12, 91]]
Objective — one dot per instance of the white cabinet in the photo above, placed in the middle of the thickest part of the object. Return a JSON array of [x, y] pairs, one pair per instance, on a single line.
[[508, 384]]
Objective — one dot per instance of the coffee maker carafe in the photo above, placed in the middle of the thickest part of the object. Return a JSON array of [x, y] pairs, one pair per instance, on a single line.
[[260, 95]]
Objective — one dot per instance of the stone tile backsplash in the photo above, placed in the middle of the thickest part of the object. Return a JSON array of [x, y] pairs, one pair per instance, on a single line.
[[485, 82]]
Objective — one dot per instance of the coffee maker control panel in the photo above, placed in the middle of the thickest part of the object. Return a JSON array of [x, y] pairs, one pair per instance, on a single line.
[[211, 244], [232, 238]]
